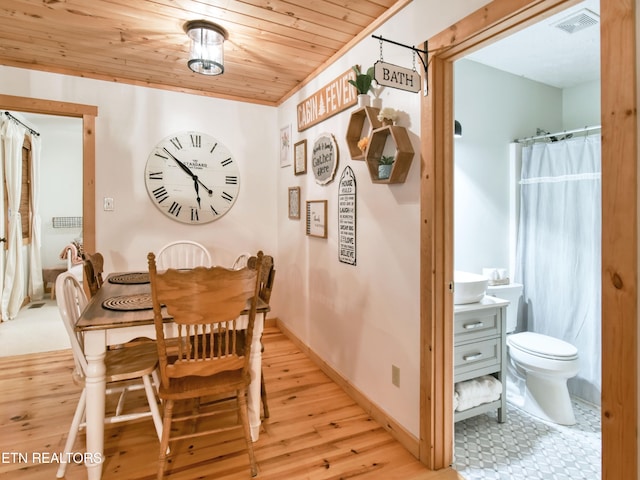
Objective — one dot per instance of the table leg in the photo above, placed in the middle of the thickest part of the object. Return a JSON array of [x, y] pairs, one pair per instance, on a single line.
[[95, 350], [256, 373]]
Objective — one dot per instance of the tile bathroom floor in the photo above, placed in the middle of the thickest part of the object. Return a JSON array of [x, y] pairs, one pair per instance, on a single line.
[[525, 447]]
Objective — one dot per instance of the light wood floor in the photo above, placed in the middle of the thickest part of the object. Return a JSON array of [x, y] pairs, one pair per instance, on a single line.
[[315, 431]]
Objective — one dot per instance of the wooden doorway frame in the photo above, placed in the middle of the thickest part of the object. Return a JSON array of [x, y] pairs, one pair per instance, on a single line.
[[88, 113], [496, 20]]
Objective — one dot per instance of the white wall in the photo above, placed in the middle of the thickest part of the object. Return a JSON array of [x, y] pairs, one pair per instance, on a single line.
[[61, 182], [363, 319], [131, 120], [581, 106], [494, 109]]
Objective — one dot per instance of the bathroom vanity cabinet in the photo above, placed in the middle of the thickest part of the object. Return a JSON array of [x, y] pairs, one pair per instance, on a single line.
[[480, 349]]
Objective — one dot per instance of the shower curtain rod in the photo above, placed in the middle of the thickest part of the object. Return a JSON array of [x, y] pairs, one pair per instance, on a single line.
[[566, 132], [33, 132]]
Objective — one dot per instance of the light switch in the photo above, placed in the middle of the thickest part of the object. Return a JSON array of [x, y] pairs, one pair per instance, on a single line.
[[108, 204]]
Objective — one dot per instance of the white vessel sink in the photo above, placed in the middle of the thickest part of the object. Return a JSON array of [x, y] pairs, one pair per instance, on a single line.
[[468, 287]]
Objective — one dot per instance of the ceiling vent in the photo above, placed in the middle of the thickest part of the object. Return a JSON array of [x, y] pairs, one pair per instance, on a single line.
[[578, 21]]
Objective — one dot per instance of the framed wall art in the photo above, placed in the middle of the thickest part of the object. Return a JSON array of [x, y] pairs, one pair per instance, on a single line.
[[324, 158], [300, 157], [347, 217], [285, 146], [294, 203], [317, 218]]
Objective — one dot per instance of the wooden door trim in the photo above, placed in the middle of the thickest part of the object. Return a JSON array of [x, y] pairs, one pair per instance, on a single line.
[[88, 114], [619, 225]]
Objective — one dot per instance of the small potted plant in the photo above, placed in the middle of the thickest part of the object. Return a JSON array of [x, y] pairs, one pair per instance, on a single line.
[[388, 116], [384, 167], [362, 83]]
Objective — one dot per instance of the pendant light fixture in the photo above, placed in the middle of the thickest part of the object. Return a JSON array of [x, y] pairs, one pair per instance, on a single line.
[[206, 55]]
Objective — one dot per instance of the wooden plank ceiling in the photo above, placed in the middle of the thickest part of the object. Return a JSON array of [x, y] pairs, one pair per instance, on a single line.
[[274, 46]]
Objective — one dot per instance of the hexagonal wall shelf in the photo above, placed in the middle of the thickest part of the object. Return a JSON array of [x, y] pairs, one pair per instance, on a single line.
[[355, 130], [402, 157]]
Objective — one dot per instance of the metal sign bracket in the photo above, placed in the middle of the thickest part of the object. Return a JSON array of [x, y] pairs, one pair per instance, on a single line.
[[420, 52]]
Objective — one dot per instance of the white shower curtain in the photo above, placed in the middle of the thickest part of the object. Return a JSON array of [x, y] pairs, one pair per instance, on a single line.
[[558, 252]]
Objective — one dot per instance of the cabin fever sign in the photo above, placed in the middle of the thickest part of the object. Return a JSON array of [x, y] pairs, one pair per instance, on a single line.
[[396, 77], [347, 217], [326, 102]]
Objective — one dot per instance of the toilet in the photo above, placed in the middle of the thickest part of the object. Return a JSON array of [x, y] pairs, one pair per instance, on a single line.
[[540, 365]]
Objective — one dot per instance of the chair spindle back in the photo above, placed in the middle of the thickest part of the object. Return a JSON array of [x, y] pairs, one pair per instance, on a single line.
[[205, 304]]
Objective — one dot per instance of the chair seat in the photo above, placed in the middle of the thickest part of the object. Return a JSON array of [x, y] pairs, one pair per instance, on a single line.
[[127, 363], [131, 362], [189, 387]]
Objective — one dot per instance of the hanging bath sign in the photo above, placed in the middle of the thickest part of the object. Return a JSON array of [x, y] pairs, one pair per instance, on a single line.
[[347, 217], [394, 76], [324, 158]]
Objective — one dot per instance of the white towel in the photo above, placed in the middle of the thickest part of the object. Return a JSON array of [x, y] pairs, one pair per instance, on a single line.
[[477, 391]]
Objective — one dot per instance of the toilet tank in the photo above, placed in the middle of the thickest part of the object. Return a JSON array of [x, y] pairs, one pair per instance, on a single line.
[[511, 292]]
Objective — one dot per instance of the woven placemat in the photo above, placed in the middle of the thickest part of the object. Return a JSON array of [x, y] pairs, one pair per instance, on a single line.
[[131, 278], [140, 301]]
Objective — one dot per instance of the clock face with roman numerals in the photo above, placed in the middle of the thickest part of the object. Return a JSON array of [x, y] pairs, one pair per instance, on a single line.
[[192, 178]]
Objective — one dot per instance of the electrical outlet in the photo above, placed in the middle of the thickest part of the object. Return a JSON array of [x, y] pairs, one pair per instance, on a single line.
[[108, 204], [395, 375]]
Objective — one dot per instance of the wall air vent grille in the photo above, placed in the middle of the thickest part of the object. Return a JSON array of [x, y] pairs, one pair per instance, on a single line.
[[578, 21]]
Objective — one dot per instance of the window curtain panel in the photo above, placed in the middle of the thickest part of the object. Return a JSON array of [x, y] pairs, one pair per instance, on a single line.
[[36, 284], [558, 254], [13, 291]]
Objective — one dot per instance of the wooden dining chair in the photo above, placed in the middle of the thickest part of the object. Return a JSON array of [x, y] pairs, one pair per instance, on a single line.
[[127, 369], [211, 357], [183, 254], [267, 277], [93, 270]]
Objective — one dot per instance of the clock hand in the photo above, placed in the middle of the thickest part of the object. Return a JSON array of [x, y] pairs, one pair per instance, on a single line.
[[182, 165], [209, 191], [195, 185], [188, 170]]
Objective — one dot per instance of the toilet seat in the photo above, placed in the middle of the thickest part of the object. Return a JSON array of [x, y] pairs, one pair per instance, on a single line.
[[543, 346]]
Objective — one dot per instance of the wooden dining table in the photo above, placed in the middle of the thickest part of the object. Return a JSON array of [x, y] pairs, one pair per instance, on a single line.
[[129, 315]]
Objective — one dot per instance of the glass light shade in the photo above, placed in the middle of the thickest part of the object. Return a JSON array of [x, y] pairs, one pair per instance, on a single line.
[[206, 55]]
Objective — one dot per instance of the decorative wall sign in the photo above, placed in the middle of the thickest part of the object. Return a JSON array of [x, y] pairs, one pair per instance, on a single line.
[[326, 102], [396, 77], [317, 218], [324, 158], [300, 157], [294, 203], [347, 217], [285, 146]]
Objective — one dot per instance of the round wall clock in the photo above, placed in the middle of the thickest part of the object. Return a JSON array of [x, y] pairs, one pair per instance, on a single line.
[[192, 178]]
